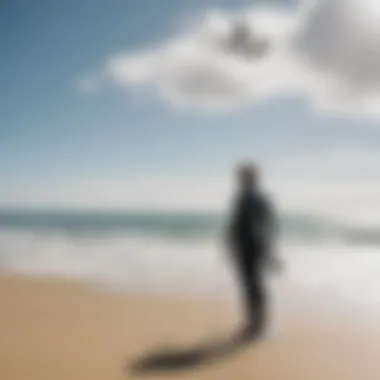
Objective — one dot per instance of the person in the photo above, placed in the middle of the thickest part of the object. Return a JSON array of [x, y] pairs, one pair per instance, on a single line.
[[250, 238]]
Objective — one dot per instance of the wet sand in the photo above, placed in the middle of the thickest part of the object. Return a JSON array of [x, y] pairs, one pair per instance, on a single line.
[[57, 330]]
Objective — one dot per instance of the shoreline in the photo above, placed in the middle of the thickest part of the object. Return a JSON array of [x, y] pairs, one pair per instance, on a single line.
[[61, 330], [298, 304]]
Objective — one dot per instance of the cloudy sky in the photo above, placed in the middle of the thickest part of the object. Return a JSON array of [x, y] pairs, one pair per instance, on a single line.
[[147, 104]]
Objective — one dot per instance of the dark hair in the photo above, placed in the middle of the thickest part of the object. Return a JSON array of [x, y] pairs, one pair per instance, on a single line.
[[248, 174]]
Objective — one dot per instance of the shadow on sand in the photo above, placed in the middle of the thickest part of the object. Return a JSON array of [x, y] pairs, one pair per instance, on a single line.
[[175, 359]]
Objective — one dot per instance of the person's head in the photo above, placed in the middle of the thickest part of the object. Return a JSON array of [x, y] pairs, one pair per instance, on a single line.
[[247, 176]]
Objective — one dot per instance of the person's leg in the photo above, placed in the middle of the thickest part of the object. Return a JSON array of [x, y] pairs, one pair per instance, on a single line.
[[254, 295], [258, 302]]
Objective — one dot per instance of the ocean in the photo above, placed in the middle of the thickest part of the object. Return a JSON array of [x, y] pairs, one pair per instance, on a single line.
[[327, 263]]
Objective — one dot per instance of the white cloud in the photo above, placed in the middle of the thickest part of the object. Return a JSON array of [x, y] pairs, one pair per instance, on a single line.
[[206, 67], [339, 42], [327, 50], [343, 37]]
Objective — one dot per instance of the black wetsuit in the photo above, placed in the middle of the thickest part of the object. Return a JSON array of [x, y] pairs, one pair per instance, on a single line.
[[250, 235]]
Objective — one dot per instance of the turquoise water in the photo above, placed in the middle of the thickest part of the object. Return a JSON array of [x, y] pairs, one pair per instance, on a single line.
[[326, 263], [177, 225], [184, 225]]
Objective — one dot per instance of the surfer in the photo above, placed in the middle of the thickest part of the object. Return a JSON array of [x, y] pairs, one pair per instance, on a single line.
[[250, 239]]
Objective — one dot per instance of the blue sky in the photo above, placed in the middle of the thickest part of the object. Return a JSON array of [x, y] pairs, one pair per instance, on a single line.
[[53, 133]]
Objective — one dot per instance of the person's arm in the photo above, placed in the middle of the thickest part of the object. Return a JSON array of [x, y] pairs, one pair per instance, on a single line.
[[271, 230], [239, 221], [230, 232]]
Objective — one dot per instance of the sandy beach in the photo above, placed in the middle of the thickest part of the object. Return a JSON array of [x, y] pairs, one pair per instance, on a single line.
[[67, 331]]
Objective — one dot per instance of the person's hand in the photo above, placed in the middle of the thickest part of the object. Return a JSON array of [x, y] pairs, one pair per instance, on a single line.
[[275, 264]]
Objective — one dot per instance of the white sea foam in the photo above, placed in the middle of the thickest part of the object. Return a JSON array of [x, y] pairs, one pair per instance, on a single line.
[[317, 277]]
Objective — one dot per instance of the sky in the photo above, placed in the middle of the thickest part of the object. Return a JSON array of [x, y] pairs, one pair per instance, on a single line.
[[143, 104]]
